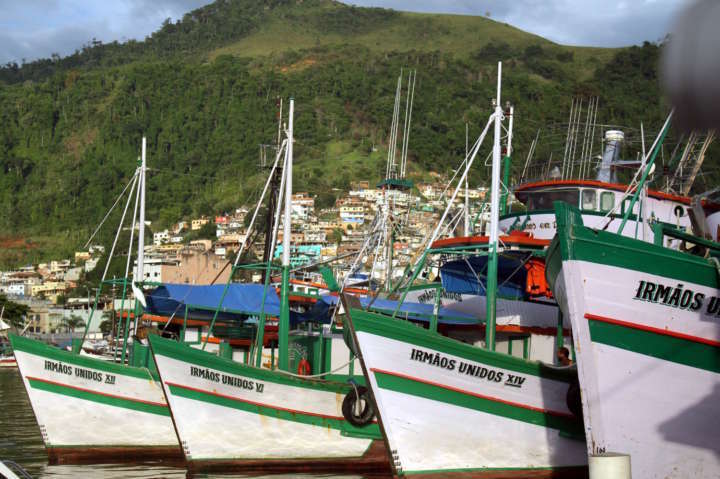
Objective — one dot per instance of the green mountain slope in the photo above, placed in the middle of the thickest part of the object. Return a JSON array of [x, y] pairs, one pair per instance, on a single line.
[[204, 91]]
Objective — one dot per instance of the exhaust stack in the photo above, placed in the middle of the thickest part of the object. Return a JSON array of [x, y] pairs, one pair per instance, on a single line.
[[613, 141]]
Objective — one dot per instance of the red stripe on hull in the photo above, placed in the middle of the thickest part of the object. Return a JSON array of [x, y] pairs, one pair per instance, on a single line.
[[470, 393], [125, 398], [642, 327], [254, 403]]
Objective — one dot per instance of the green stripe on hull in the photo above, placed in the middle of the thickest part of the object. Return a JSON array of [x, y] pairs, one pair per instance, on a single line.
[[668, 348], [402, 385], [38, 348], [99, 398], [406, 332], [269, 411], [174, 350], [574, 241]]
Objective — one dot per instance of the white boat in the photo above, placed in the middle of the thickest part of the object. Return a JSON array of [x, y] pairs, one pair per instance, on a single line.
[[93, 410], [644, 322], [8, 362], [234, 416], [448, 408], [451, 409]]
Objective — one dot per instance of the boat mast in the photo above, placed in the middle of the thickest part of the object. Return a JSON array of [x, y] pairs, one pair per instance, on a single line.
[[467, 200], [141, 226], [274, 185], [491, 293], [284, 324]]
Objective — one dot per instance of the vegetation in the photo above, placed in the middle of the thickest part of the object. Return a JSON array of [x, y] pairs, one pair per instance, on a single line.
[[107, 324], [204, 90], [13, 313], [72, 322]]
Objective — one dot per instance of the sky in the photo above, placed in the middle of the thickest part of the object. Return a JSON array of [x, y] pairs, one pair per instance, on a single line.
[[31, 29]]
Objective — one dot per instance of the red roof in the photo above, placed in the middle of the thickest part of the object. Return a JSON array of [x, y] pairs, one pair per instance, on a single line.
[[515, 238], [612, 186]]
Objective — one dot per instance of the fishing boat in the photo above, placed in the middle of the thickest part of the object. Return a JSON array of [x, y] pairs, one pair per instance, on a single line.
[[7, 361], [231, 415], [92, 410], [645, 329], [447, 408], [598, 204], [601, 197]]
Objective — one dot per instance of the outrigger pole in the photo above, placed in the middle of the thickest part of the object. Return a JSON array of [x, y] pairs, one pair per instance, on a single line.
[[491, 293], [267, 265], [138, 180]]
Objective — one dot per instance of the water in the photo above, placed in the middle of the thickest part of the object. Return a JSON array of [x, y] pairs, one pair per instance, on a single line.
[[20, 441]]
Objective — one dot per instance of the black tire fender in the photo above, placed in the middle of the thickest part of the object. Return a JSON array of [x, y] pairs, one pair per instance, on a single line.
[[350, 410], [573, 399]]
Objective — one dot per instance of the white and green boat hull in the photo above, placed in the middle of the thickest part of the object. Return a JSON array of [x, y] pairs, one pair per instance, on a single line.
[[646, 333], [231, 416], [448, 408], [90, 410]]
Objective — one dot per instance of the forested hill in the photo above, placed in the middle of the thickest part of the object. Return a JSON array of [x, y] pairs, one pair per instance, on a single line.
[[204, 91]]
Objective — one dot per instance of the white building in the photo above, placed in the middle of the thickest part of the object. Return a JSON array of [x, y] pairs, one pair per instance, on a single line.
[[14, 289], [352, 214], [90, 264], [161, 237], [303, 206]]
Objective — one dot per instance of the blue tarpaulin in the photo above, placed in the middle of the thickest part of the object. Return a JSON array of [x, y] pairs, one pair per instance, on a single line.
[[410, 310], [469, 276], [241, 301]]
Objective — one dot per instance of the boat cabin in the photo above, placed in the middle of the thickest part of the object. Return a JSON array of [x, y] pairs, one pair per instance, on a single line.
[[603, 206]]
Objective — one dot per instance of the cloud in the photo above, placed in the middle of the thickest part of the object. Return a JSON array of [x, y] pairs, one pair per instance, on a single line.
[[34, 29], [603, 23]]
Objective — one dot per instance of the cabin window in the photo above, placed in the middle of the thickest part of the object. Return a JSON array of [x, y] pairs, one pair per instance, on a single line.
[[589, 200], [625, 205], [607, 201], [543, 200]]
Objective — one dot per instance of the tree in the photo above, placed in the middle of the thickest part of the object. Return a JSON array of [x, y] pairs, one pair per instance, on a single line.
[[106, 325], [337, 236], [13, 313], [207, 231], [73, 322]]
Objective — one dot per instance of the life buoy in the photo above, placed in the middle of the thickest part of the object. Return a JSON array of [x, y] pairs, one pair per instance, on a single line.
[[304, 368], [357, 408]]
